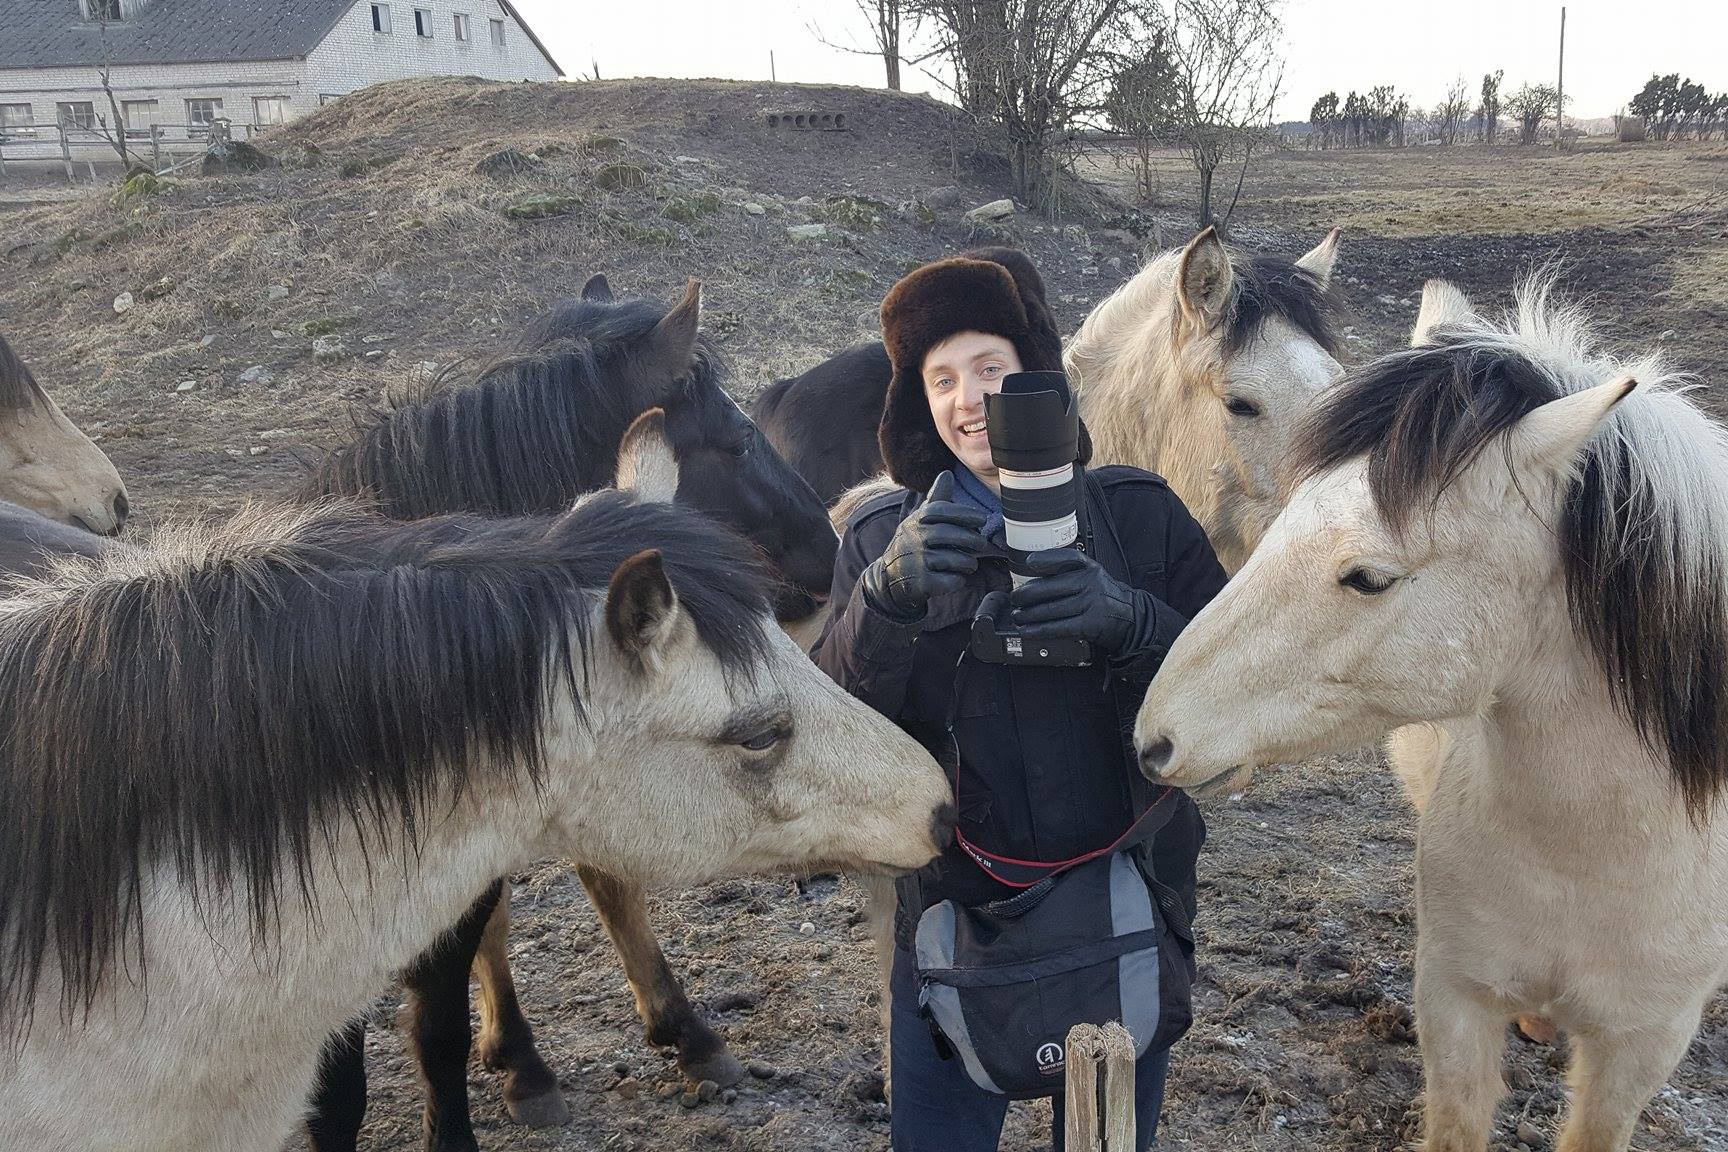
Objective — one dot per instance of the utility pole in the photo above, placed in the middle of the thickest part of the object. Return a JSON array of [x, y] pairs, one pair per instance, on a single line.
[[772, 78], [1560, 90]]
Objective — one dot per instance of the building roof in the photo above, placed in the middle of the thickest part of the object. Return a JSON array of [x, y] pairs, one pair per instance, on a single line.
[[54, 33]]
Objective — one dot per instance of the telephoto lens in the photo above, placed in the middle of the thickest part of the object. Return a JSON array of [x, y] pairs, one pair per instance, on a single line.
[[1034, 430]]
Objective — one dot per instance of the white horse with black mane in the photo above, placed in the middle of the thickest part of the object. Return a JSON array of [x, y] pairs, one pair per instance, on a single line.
[[1515, 547], [245, 776]]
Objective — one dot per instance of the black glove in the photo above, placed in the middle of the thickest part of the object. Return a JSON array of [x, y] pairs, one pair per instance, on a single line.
[[1071, 596], [932, 553]]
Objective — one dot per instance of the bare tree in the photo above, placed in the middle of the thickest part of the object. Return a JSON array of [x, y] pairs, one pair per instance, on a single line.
[[1449, 114], [115, 135], [1038, 68], [1531, 105], [1229, 73], [1142, 104], [1489, 109]]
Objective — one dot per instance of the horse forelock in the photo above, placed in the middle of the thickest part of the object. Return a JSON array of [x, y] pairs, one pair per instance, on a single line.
[[1644, 517], [1263, 287], [228, 703]]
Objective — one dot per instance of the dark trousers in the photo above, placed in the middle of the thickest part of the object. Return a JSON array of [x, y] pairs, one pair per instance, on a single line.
[[937, 1108]]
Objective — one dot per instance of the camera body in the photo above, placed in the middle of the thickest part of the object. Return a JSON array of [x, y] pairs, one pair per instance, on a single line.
[[1033, 425]]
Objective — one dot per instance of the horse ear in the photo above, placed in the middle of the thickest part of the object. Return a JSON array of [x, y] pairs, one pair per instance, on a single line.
[[1550, 437], [597, 288], [671, 346], [641, 608], [1203, 278], [646, 464], [1318, 260], [1442, 303]]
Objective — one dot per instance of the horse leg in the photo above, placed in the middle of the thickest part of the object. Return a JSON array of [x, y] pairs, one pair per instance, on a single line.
[[879, 891], [531, 1091], [660, 1001], [1613, 1076], [437, 986], [1461, 1044], [339, 1094]]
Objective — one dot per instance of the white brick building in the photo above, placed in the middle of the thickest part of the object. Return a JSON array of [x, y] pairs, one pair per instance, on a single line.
[[181, 64]]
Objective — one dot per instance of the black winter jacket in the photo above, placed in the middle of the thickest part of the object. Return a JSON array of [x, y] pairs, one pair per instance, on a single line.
[[1046, 764]]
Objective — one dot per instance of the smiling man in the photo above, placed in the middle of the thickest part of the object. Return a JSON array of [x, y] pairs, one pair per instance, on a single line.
[[1044, 773]]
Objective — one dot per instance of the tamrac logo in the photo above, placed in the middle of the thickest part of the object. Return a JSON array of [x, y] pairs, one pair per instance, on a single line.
[[1049, 1058]]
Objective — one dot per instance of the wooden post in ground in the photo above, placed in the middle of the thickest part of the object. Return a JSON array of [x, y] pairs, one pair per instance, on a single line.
[[2, 159], [156, 147], [1099, 1096], [1081, 1130], [66, 154], [1117, 1048]]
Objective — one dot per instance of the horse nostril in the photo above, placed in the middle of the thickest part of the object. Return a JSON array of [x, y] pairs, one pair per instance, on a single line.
[[942, 824], [121, 507], [1155, 757]]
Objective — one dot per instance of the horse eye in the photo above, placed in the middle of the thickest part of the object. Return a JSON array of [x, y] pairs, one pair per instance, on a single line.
[[742, 448], [1237, 406], [1367, 581], [765, 739]]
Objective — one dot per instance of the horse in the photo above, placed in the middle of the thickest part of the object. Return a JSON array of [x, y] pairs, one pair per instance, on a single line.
[[534, 430], [46, 464], [247, 773], [1509, 547], [1198, 368]]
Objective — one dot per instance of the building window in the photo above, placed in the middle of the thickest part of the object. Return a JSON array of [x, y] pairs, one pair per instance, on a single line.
[[139, 116], [16, 121], [423, 23], [269, 110], [328, 98], [381, 18], [77, 114], [201, 113], [498, 34], [461, 21], [102, 9]]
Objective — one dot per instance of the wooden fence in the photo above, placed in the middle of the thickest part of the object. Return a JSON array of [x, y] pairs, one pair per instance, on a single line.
[[156, 145]]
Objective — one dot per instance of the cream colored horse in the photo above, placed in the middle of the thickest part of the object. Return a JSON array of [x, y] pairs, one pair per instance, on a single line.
[[1515, 547], [46, 464]]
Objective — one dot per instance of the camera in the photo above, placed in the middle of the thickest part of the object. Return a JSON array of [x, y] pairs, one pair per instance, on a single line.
[[1033, 425]]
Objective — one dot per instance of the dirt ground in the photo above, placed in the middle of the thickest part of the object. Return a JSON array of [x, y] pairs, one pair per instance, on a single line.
[[384, 240]]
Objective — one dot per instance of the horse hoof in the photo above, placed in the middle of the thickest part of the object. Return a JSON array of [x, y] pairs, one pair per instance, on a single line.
[[1537, 1029], [547, 1110], [722, 1068]]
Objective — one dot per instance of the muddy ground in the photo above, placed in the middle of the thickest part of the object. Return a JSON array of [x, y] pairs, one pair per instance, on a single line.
[[384, 235]]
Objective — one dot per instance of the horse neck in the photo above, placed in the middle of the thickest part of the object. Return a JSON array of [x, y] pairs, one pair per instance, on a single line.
[[1557, 756], [1144, 406]]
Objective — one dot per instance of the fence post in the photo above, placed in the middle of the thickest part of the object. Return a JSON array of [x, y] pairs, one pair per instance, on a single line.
[[1099, 1120], [66, 153], [2, 159], [1081, 1095], [156, 147]]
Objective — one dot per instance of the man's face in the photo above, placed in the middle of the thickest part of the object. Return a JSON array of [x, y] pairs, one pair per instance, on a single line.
[[958, 373]]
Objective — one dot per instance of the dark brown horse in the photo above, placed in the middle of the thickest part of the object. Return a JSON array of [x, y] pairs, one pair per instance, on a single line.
[[530, 434]]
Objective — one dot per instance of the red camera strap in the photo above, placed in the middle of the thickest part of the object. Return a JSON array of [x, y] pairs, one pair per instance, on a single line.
[[1017, 873]]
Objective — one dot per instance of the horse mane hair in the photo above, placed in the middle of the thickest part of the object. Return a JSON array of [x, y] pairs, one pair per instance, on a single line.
[[1263, 287], [560, 400], [18, 387], [1643, 521], [215, 709]]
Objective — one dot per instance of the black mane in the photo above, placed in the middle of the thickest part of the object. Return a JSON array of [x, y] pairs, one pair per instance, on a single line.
[[1267, 286], [221, 709], [18, 388], [1658, 626], [530, 433]]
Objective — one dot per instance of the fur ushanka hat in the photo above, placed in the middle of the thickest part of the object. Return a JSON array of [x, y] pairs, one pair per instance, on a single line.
[[991, 290]]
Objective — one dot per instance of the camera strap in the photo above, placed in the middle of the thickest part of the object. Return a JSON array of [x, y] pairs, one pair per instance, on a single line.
[[1016, 873]]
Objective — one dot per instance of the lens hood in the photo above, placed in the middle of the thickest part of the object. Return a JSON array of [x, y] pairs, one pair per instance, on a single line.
[[1033, 424]]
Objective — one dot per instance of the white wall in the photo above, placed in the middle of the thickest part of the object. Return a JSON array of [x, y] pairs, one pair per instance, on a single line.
[[353, 55]]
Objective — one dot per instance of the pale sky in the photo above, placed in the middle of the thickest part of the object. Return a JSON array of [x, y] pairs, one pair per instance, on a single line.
[[1612, 46]]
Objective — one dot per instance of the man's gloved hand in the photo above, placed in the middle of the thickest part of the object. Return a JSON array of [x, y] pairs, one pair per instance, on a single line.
[[932, 553], [1072, 597]]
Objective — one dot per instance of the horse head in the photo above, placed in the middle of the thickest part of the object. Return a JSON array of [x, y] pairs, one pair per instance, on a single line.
[[46, 464]]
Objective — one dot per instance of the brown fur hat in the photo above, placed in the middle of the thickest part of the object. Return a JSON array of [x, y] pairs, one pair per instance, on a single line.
[[992, 290]]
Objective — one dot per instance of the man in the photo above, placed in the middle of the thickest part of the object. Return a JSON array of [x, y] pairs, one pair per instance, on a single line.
[[1045, 769]]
